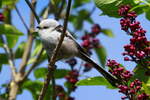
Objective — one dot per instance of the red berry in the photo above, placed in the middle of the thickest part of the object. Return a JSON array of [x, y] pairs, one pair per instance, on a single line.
[[1, 17]]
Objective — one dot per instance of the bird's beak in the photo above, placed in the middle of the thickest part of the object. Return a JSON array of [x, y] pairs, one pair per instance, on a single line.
[[37, 28]]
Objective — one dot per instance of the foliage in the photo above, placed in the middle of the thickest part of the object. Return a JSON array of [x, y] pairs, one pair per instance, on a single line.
[[80, 14], [95, 81]]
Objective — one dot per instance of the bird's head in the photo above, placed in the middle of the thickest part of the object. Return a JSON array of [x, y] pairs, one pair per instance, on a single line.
[[48, 24]]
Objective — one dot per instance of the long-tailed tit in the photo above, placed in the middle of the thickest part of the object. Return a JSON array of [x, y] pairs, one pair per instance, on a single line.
[[50, 30]]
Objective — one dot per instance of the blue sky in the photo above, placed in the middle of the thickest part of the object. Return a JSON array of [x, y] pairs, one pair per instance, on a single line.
[[114, 48]]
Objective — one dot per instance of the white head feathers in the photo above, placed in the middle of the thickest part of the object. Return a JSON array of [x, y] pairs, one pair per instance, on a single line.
[[49, 23]]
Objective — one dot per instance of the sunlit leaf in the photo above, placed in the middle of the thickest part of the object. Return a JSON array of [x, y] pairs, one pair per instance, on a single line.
[[139, 73], [110, 7], [78, 3], [38, 47], [107, 32], [41, 73], [20, 49], [9, 3], [42, 58], [94, 81], [146, 88], [147, 13], [12, 41], [34, 87], [9, 30], [12, 34], [101, 53]]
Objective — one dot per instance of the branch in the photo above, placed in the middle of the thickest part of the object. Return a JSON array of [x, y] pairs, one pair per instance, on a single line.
[[10, 57], [87, 16], [57, 15], [34, 64], [53, 58], [26, 54], [33, 10], [19, 14], [27, 51], [53, 86]]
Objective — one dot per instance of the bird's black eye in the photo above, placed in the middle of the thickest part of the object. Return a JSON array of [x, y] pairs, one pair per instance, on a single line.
[[38, 27], [45, 27]]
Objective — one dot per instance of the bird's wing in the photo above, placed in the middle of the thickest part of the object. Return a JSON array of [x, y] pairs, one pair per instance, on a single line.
[[85, 57], [68, 34]]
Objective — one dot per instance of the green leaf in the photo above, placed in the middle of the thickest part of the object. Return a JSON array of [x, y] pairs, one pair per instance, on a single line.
[[146, 88], [148, 1], [34, 87], [0, 67], [107, 32], [38, 47], [12, 41], [147, 13], [1, 43], [68, 85], [78, 3], [42, 58], [9, 30], [139, 73], [3, 58], [79, 19], [110, 7], [95, 81], [12, 34], [41, 73], [101, 53], [1, 4], [139, 9], [9, 3], [55, 2], [20, 49]]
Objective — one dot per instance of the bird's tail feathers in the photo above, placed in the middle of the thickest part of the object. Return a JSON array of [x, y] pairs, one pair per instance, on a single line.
[[107, 75]]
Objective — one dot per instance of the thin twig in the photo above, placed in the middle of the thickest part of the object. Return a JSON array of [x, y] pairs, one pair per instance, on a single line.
[[90, 13], [51, 67], [53, 87], [33, 11], [57, 15], [28, 47], [10, 56], [26, 54], [87, 16], [19, 14], [34, 64]]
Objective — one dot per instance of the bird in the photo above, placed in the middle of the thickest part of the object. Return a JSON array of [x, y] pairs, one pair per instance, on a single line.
[[50, 30]]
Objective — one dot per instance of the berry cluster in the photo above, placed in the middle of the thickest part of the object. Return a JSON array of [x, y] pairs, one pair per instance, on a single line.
[[72, 62], [1, 17], [139, 47], [61, 93], [72, 76], [118, 71], [133, 92], [130, 89], [89, 42]]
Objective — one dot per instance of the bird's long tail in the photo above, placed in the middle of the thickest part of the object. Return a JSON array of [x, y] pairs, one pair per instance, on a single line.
[[108, 76]]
